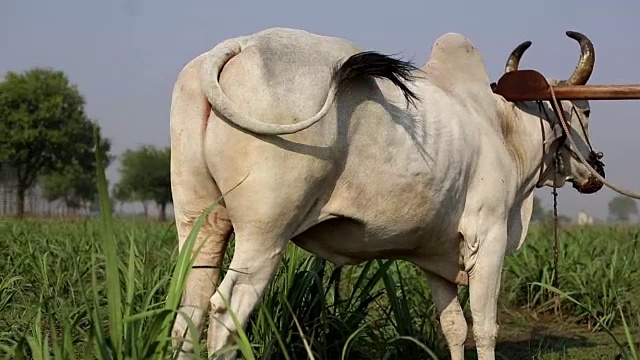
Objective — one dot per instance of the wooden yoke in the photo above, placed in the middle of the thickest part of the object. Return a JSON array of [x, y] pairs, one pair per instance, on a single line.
[[530, 85]]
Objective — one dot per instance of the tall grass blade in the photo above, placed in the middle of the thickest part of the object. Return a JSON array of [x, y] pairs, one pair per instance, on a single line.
[[345, 348], [111, 257], [627, 331], [302, 336], [421, 345], [97, 332], [568, 297]]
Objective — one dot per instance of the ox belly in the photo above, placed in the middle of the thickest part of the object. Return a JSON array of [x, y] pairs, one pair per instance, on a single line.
[[347, 241], [402, 191], [406, 219]]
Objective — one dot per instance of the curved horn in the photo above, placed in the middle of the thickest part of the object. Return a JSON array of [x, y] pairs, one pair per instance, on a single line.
[[584, 68], [516, 55]]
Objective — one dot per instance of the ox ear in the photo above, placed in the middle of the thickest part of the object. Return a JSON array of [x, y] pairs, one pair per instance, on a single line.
[[494, 85]]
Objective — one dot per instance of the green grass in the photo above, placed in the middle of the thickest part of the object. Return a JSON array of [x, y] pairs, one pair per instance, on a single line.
[[55, 302], [598, 267], [57, 280], [109, 289]]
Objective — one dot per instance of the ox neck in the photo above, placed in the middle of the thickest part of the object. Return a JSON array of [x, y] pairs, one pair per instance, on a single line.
[[531, 142]]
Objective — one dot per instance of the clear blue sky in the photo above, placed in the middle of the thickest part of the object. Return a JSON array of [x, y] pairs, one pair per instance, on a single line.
[[125, 54]]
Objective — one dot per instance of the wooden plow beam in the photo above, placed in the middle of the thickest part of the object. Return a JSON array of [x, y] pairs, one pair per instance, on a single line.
[[530, 85]]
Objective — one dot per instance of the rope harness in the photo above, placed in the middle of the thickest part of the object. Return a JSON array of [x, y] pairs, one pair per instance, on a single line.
[[594, 157]]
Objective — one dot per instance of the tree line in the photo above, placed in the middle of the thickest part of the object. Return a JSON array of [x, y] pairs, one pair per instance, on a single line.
[[47, 139]]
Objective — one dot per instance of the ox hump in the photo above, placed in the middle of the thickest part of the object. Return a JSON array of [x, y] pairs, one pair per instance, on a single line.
[[456, 66]]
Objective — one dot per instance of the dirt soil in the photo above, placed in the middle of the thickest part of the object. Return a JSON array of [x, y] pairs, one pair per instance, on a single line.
[[522, 336]]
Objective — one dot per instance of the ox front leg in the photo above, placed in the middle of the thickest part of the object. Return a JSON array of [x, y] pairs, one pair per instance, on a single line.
[[484, 286], [254, 263], [452, 321]]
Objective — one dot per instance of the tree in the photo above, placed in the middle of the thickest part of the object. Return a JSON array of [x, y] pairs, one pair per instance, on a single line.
[[122, 194], [622, 207], [7, 182], [145, 176], [44, 127], [75, 184]]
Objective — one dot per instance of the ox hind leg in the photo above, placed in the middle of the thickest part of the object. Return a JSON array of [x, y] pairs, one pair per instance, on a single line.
[[193, 191], [209, 248], [452, 321], [255, 260]]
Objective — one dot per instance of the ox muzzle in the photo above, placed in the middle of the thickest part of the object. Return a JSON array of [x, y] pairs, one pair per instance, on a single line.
[[592, 184]]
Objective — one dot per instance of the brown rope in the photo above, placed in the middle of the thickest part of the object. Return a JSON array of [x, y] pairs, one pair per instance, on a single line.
[[593, 172]]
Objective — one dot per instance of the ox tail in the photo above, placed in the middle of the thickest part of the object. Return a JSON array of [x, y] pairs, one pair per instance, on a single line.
[[363, 64], [373, 64]]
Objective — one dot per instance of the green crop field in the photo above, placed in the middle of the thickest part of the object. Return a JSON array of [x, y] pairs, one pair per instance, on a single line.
[[58, 298]]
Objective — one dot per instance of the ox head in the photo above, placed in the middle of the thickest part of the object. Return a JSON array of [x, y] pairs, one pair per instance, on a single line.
[[577, 113]]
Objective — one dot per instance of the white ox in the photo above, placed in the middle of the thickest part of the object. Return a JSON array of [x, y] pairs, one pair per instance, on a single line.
[[356, 156]]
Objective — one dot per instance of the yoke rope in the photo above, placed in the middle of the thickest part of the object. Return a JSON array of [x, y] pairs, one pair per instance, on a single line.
[[563, 123]]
